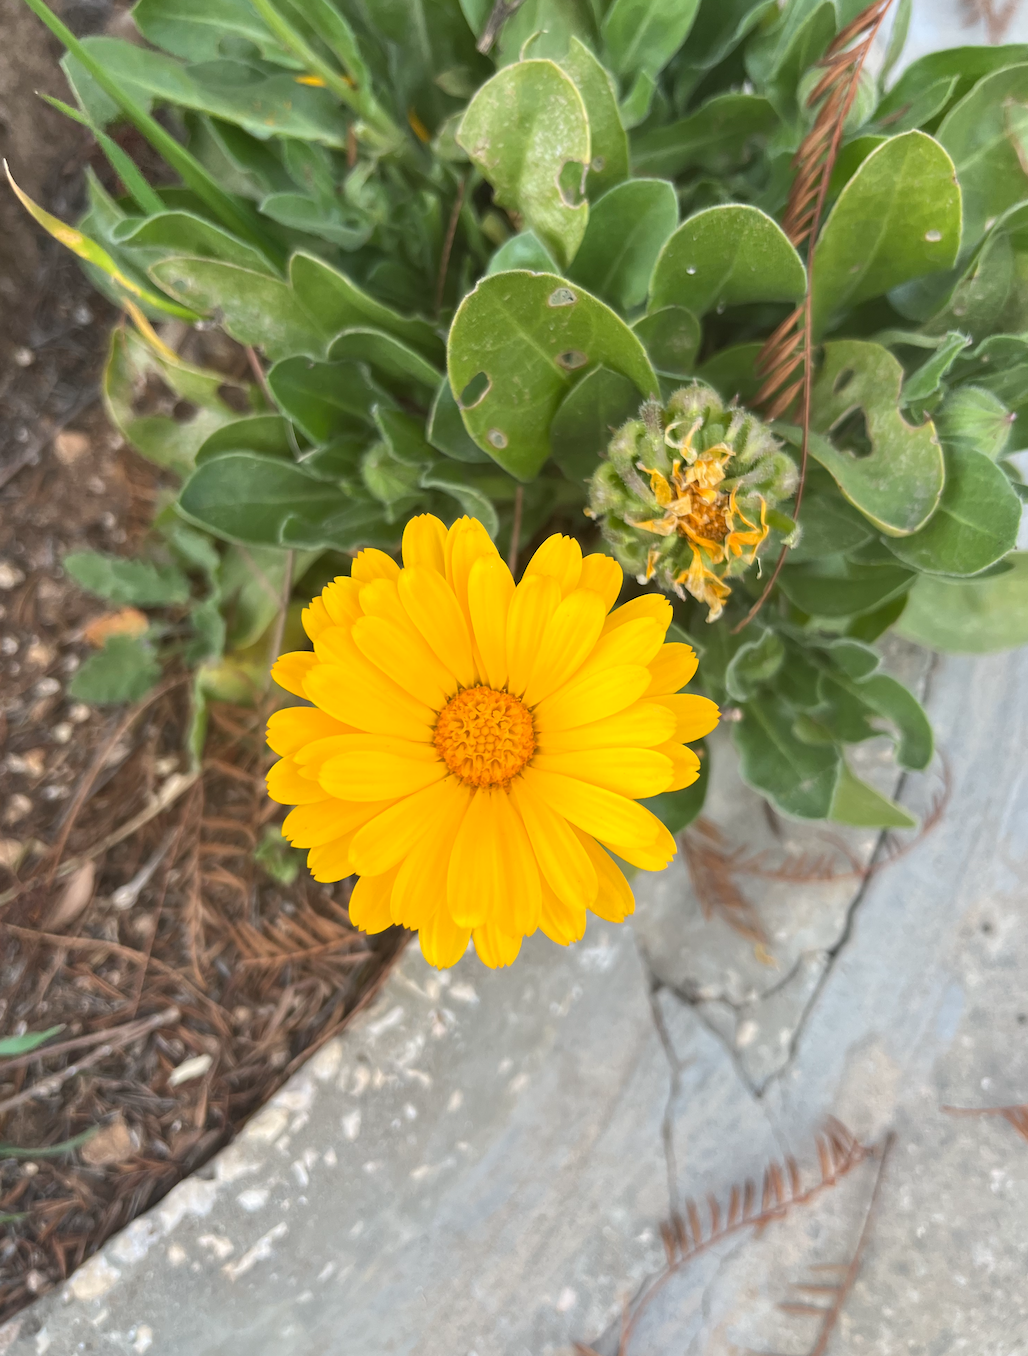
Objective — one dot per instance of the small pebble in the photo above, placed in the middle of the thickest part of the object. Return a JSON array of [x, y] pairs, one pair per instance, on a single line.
[[56, 792], [17, 808], [69, 446], [47, 687], [29, 1169], [95, 485], [24, 357], [78, 713], [8, 645], [10, 575], [40, 655], [62, 733]]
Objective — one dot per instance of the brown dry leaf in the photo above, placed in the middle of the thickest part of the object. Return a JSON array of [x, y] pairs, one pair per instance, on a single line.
[[74, 898], [112, 1144], [127, 621], [70, 445]]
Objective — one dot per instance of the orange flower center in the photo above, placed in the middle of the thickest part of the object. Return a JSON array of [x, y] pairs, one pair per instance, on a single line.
[[485, 737]]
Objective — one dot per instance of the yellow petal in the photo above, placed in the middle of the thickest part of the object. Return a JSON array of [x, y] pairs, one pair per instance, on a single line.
[[424, 541], [313, 756], [496, 948], [490, 590], [433, 608], [652, 858], [562, 923], [604, 576], [652, 605], [382, 772], [535, 600], [372, 564], [614, 900], [636, 642], [466, 541], [695, 717], [671, 669], [369, 903], [381, 598], [360, 695], [315, 618], [385, 840], [561, 559], [331, 861], [403, 656], [603, 813], [642, 726], [569, 637], [420, 888], [290, 670], [562, 862], [294, 726], [287, 784], [314, 825], [442, 941], [634, 773], [493, 875], [590, 698], [342, 600], [686, 765]]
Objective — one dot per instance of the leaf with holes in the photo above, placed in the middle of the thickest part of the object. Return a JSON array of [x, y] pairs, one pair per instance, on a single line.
[[643, 35], [797, 777], [123, 671], [518, 343], [727, 256], [607, 139], [897, 480], [252, 307], [976, 616], [446, 431], [898, 218], [586, 420], [627, 229], [525, 129], [975, 524]]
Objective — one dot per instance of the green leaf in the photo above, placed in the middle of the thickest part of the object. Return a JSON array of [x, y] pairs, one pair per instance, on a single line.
[[21, 1045], [335, 221], [717, 137], [972, 419], [966, 65], [173, 233], [194, 29], [898, 218], [146, 199], [255, 499], [124, 580], [927, 381], [281, 861], [627, 229], [250, 582], [975, 524], [897, 484], [324, 399], [607, 140], [521, 129], [676, 810], [587, 419], [727, 256], [778, 56], [251, 307], [451, 480], [835, 586], [831, 526], [984, 134], [172, 441], [798, 778], [524, 250], [392, 359], [268, 433], [635, 108], [754, 663], [545, 28], [857, 803], [337, 303], [732, 372], [894, 703], [924, 107], [973, 617], [123, 671], [446, 431], [992, 294], [643, 35], [524, 339], [672, 339]]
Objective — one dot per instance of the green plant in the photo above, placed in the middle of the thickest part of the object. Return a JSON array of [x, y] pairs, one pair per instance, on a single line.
[[474, 242]]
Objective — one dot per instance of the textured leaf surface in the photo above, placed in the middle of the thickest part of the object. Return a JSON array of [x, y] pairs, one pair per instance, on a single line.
[[123, 671], [798, 778], [627, 229], [123, 580], [608, 141], [857, 803], [587, 419]]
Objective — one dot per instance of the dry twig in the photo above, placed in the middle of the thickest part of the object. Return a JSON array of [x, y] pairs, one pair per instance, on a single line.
[[1017, 1116]]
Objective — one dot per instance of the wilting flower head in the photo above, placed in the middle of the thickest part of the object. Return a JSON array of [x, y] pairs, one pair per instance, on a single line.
[[684, 493], [474, 749]]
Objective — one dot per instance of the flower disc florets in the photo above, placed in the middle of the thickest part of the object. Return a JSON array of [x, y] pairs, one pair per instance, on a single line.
[[684, 493]]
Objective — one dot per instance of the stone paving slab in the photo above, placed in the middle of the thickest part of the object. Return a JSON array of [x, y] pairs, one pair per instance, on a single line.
[[479, 1165]]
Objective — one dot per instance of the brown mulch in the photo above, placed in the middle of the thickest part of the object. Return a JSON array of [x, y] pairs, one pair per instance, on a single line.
[[133, 913]]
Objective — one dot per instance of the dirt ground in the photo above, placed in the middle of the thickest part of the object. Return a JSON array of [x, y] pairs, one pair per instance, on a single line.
[[187, 982]]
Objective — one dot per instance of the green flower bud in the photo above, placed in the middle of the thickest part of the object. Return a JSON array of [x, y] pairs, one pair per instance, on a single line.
[[683, 495]]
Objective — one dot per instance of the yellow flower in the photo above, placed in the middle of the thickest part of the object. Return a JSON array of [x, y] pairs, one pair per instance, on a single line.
[[475, 750]]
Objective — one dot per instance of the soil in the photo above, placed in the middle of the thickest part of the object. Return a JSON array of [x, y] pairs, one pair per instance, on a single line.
[[186, 981]]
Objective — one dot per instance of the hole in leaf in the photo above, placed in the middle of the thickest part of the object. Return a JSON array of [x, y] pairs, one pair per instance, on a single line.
[[599, 164], [561, 296], [571, 182], [843, 380], [184, 410], [497, 438], [476, 391], [933, 236], [571, 359], [850, 434]]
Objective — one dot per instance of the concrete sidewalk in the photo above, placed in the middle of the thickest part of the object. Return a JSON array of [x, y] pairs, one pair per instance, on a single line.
[[479, 1166]]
